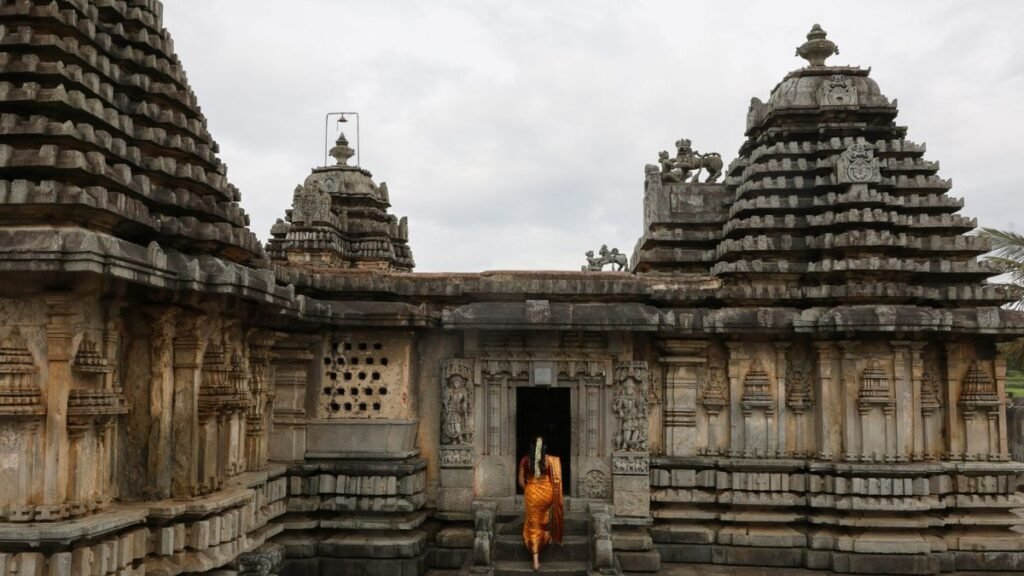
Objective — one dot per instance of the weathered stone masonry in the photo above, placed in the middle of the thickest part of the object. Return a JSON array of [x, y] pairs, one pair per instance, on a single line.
[[800, 370]]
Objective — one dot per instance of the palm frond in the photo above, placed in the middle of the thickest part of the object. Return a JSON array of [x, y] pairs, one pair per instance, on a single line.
[[1005, 244]]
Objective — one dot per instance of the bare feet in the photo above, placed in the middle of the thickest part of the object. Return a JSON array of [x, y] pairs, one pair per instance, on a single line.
[[536, 563]]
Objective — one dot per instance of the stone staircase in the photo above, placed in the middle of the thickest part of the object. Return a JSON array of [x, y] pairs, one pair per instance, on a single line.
[[571, 558]]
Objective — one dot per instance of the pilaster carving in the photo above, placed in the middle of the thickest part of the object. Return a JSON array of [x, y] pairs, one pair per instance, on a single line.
[[595, 484], [713, 394], [630, 406], [757, 389], [978, 390], [20, 394], [22, 409], [799, 374], [875, 388]]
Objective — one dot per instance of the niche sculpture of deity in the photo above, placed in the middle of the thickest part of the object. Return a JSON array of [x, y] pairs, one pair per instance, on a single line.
[[457, 403], [630, 407]]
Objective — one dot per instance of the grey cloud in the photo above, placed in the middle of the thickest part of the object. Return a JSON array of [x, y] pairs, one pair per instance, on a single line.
[[514, 135]]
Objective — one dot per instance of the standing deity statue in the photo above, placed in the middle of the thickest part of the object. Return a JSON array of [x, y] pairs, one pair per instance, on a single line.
[[631, 409], [457, 404]]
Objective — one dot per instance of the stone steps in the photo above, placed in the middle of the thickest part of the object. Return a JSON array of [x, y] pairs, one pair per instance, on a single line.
[[574, 524], [572, 548], [569, 558], [522, 568]]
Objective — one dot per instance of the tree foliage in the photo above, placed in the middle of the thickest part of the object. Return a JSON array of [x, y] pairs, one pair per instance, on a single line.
[[1008, 254]]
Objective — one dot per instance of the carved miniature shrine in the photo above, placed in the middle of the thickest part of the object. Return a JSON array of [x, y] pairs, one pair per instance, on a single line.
[[797, 369]]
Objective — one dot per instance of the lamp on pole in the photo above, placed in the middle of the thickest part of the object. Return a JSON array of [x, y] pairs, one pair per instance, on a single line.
[[341, 118]]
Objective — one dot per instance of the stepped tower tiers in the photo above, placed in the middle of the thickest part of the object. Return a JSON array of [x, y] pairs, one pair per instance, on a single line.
[[339, 219], [103, 133], [801, 371]]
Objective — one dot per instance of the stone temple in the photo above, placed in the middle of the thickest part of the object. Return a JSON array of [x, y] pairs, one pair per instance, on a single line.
[[797, 369]]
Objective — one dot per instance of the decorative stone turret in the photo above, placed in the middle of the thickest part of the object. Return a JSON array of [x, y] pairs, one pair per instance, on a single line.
[[339, 219]]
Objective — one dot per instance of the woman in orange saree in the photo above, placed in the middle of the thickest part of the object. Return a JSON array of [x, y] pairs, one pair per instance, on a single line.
[[540, 476]]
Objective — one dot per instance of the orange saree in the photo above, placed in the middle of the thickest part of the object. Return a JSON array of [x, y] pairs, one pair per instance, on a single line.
[[542, 496]]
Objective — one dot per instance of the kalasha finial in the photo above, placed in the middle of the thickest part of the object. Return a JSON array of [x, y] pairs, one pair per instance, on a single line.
[[817, 48], [341, 150]]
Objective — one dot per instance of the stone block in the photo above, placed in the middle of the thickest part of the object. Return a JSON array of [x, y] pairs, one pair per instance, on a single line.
[[750, 556], [81, 561], [59, 564], [164, 541], [300, 567], [684, 478], [372, 567], [374, 544], [29, 564], [684, 553], [455, 500], [199, 535], [631, 540], [630, 483], [891, 563], [455, 537], [449, 558], [456, 478], [646, 561], [632, 504], [683, 534]]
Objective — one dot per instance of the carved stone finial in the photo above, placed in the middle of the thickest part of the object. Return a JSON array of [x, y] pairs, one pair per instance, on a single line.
[[817, 48], [687, 159], [342, 151], [89, 360], [978, 388], [756, 388]]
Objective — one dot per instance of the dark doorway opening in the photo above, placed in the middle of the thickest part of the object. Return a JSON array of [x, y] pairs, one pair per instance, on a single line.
[[545, 412]]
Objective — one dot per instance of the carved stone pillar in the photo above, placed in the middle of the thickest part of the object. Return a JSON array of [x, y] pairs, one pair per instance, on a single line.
[[714, 396], [685, 362], [290, 362], [779, 440], [149, 386], [21, 416], [906, 409], [189, 347], [58, 386], [830, 401], [955, 368], [257, 425], [1001, 447], [93, 404], [737, 419]]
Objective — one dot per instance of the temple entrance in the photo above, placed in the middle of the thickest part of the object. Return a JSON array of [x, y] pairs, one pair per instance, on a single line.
[[545, 412]]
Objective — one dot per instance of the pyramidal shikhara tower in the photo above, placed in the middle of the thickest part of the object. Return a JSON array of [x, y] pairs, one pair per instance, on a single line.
[[800, 371], [339, 220]]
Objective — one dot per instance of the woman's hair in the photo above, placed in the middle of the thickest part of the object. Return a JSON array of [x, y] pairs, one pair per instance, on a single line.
[[536, 459]]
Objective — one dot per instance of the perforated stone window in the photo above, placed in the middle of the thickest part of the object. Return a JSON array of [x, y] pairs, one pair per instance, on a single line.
[[360, 379]]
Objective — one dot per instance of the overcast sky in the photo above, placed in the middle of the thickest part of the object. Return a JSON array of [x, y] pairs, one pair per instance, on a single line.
[[514, 134]]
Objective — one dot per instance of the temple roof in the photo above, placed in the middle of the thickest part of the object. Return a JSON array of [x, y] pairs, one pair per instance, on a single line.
[[339, 220], [826, 203], [102, 131]]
